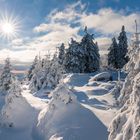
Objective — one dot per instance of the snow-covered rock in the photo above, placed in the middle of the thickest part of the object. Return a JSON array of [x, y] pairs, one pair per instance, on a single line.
[[55, 137], [104, 76]]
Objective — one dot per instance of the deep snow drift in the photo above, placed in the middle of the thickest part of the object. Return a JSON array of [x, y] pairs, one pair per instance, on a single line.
[[18, 115], [80, 108], [66, 118]]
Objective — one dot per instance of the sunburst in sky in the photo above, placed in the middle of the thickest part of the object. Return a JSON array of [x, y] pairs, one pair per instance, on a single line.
[[9, 27]]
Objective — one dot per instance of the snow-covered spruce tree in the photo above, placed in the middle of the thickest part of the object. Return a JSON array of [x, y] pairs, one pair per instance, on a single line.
[[36, 82], [74, 58], [113, 54], [91, 53], [122, 49], [82, 57], [117, 56], [6, 76], [55, 73], [45, 70], [126, 124], [61, 55], [15, 90], [47, 73], [30, 72]]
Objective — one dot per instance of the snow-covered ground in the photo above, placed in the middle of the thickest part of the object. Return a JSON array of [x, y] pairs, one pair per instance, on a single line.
[[97, 96], [83, 118], [81, 108], [21, 115]]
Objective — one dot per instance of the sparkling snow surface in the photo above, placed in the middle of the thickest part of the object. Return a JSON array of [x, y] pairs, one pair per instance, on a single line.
[[80, 109]]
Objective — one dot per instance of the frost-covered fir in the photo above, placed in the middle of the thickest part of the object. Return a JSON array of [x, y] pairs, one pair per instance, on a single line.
[[82, 57], [74, 58], [47, 73], [126, 124], [15, 88], [117, 56], [122, 49], [61, 55], [113, 54], [36, 82], [55, 73], [6, 76], [30, 72], [45, 70], [91, 53]]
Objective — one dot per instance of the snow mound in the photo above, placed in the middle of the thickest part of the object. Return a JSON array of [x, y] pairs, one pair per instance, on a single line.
[[65, 118], [63, 94], [55, 137], [16, 111], [77, 79], [104, 76], [19, 114]]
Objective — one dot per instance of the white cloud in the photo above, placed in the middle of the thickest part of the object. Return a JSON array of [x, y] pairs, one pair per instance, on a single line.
[[21, 56], [58, 25], [108, 21], [49, 27], [57, 33], [69, 14], [18, 41]]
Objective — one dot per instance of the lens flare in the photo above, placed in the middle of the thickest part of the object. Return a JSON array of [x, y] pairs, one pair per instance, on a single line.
[[9, 26]]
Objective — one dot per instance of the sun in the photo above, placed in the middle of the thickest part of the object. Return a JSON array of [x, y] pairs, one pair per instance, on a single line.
[[9, 27]]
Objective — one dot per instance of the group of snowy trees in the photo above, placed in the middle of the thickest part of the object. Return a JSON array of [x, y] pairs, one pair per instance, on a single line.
[[126, 124], [117, 56], [118, 52], [80, 57], [15, 106], [46, 72]]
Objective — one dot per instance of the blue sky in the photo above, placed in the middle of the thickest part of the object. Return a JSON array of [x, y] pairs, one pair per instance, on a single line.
[[45, 24], [33, 12]]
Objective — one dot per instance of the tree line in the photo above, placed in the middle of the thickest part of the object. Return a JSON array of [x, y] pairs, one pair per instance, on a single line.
[[79, 57]]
